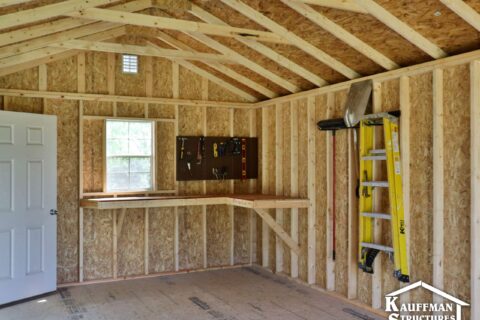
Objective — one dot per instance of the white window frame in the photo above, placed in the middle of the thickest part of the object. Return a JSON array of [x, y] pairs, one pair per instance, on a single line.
[[127, 66], [153, 161]]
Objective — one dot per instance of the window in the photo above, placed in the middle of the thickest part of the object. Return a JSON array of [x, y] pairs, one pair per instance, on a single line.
[[129, 63], [129, 151]]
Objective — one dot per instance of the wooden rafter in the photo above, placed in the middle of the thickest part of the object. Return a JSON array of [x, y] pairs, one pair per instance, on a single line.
[[219, 67], [174, 24], [402, 28], [62, 24], [263, 49], [6, 3], [48, 11], [40, 56], [347, 5], [342, 34], [292, 38], [190, 66], [245, 62], [466, 12], [141, 50], [23, 47], [49, 51]]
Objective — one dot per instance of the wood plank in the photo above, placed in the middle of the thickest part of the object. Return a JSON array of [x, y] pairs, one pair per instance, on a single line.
[[174, 24], [475, 182], [282, 234], [292, 38], [114, 245], [6, 3], [311, 189], [265, 180], [218, 66], [466, 12], [117, 98], [252, 188], [146, 240], [141, 50], [263, 49], [80, 88], [279, 182], [49, 11], [231, 210], [204, 183], [352, 217], [330, 264], [377, 295], [176, 94], [405, 139], [402, 28], [347, 5], [342, 34], [294, 183], [121, 219]]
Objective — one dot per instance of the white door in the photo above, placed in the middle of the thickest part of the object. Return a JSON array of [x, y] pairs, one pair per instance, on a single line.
[[28, 192]]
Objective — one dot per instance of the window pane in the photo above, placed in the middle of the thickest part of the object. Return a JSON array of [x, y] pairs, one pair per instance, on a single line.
[[140, 181], [140, 164], [140, 147], [117, 130], [117, 165], [117, 181], [117, 147], [140, 130]]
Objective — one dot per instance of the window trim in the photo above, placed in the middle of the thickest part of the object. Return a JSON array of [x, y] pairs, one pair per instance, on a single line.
[[153, 162]]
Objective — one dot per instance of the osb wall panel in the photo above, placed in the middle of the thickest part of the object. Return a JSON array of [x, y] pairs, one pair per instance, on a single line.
[[97, 244], [162, 78], [190, 237], [32, 105], [67, 187], [218, 93], [457, 182], [131, 243], [130, 84], [96, 71], [165, 134], [321, 190], [421, 181], [161, 240], [164, 111], [97, 108], [302, 187], [26, 79], [59, 75], [127, 109], [93, 155], [271, 123]]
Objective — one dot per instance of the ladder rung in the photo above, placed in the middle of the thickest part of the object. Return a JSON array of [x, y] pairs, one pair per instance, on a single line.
[[379, 157], [381, 184], [377, 246], [377, 151], [377, 215]]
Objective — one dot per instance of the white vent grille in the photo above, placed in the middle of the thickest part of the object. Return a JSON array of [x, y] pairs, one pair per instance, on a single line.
[[129, 63]]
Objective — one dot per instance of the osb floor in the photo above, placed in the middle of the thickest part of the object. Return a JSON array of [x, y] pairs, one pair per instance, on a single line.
[[235, 294]]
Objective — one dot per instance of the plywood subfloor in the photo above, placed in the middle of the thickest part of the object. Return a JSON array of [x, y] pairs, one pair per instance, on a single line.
[[234, 294]]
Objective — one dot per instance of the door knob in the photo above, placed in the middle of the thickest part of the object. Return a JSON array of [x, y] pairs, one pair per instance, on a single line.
[[53, 212]]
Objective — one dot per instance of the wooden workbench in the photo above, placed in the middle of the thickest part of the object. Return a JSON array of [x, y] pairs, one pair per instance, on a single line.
[[258, 202]]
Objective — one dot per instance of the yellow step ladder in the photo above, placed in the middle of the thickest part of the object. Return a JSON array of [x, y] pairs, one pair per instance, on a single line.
[[368, 250]]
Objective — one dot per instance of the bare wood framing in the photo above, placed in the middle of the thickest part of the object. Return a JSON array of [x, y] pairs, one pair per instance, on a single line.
[[352, 218], [49, 11], [6, 3], [263, 49], [146, 238], [174, 24], [342, 34], [57, 26], [279, 181], [176, 93], [219, 67], [282, 234], [116, 98], [405, 108], [115, 245], [377, 225], [294, 182], [80, 88], [330, 262], [231, 210], [475, 182], [204, 182], [347, 5], [252, 185], [438, 181], [141, 50], [402, 28], [265, 179], [311, 187], [466, 12], [292, 38]]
